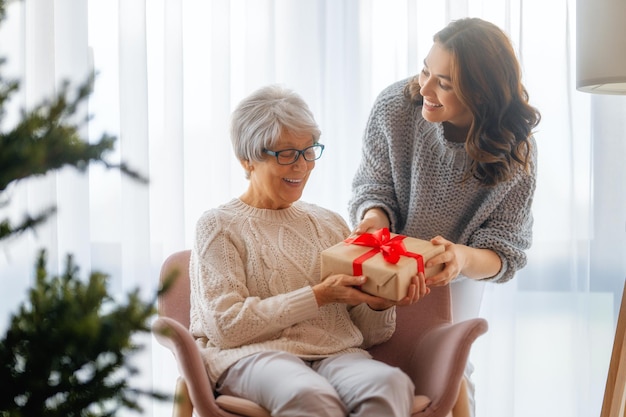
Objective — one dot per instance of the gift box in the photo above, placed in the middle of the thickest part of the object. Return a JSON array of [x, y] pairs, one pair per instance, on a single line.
[[388, 260]]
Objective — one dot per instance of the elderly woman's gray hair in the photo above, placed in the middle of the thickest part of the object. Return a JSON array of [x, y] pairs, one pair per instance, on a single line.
[[259, 120]]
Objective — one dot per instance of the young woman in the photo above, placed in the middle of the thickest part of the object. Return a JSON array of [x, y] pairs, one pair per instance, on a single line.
[[449, 156]]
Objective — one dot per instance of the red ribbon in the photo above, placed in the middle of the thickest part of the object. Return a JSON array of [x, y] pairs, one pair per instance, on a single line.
[[381, 242]]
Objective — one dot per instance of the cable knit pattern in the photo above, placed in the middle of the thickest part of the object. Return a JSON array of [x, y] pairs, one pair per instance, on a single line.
[[411, 171], [251, 274]]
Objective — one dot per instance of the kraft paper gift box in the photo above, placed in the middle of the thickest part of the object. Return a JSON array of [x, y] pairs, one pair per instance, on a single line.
[[388, 260]]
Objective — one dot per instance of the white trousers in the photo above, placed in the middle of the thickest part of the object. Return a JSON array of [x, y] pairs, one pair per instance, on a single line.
[[342, 385]]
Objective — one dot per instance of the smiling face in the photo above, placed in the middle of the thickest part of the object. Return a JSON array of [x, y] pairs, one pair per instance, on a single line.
[[441, 104], [274, 186]]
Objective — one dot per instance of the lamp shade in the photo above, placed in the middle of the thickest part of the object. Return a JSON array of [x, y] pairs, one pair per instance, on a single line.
[[601, 46]]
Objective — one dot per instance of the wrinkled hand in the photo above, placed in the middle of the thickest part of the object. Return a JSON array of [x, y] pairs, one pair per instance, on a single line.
[[340, 288], [344, 289]]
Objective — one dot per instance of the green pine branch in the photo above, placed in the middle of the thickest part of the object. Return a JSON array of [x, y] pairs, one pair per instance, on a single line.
[[48, 138], [28, 223], [67, 350]]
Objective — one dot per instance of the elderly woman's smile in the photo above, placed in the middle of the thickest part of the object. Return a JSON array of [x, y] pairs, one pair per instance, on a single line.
[[293, 181], [278, 181]]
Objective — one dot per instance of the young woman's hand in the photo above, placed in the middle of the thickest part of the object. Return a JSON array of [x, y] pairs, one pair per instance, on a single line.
[[374, 219], [417, 290], [461, 259]]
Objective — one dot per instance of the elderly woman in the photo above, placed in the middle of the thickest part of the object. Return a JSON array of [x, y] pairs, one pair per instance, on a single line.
[[270, 331]]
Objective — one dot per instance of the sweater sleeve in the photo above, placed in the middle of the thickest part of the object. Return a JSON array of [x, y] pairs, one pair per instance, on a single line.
[[223, 310], [372, 185], [376, 326], [508, 229]]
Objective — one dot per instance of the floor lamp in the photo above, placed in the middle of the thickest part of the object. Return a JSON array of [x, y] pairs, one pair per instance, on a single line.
[[601, 46], [615, 392], [601, 69]]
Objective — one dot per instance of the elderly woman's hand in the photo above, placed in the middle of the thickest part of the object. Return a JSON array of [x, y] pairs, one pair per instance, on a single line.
[[344, 289], [340, 288]]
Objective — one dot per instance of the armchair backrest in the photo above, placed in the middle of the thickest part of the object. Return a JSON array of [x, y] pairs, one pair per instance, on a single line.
[[412, 322]]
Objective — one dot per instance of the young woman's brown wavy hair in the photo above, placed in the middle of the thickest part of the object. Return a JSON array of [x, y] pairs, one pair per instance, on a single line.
[[486, 77]]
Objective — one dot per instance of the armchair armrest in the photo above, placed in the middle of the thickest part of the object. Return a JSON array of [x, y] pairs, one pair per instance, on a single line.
[[437, 363], [174, 336]]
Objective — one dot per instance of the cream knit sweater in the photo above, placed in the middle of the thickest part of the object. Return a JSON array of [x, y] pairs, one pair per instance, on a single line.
[[251, 274]]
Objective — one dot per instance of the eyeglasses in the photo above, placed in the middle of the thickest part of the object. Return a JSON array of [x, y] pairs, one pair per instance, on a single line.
[[290, 156]]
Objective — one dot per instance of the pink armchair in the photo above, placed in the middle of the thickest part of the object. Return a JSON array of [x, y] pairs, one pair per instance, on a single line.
[[426, 345]]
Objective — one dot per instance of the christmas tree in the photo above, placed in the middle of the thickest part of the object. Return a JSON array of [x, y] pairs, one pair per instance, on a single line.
[[67, 349]]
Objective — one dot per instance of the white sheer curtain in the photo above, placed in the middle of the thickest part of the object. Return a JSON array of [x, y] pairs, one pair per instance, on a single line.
[[170, 71]]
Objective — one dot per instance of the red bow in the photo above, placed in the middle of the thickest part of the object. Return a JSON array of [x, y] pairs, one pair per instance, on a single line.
[[381, 241]]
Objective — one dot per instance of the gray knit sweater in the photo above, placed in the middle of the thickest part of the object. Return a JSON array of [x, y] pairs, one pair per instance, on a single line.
[[409, 169], [251, 273]]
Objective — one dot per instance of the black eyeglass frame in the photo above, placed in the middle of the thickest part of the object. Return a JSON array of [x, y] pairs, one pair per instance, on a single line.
[[298, 153]]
